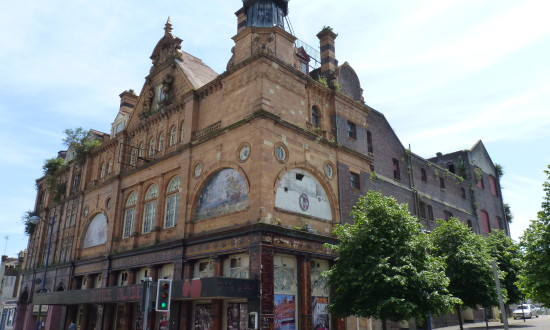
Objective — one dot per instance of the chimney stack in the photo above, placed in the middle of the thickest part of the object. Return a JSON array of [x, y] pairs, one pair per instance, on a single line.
[[128, 101], [328, 52]]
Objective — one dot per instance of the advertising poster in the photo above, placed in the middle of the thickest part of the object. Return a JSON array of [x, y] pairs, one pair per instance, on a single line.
[[203, 317], [237, 316], [320, 313], [285, 312]]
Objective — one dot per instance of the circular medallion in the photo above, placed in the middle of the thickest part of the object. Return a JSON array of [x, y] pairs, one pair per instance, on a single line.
[[198, 170], [244, 153], [304, 202], [280, 153], [329, 171]]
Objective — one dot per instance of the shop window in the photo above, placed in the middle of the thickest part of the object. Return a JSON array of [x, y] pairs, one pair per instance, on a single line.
[[236, 266], [150, 209], [123, 278], [204, 268], [172, 198]]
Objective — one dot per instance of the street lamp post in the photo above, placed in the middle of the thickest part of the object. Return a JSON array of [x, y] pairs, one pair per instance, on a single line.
[[35, 219]]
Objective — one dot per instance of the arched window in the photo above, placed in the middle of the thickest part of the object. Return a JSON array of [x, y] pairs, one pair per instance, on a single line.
[[173, 136], [141, 149], [182, 130], [129, 215], [102, 171], [161, 142], [110, 166], [150, 209], [172, 198], [133, 156], [151, 151], [96, 234], [315, 117]]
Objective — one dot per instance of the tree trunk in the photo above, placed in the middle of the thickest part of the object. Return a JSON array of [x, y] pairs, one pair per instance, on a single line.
[[459, 313]]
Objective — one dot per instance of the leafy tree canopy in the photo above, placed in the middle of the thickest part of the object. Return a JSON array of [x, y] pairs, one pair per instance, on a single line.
[[535, 278], [468, 263], [385, 269], [509, 261]]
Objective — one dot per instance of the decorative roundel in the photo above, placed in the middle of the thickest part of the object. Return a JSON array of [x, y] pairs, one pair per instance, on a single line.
[[197, 171], [244, 152], [329, 170], [304, 202], [280, 152]]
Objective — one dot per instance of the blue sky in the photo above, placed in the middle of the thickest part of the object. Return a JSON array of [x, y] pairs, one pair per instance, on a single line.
[[444, 73]]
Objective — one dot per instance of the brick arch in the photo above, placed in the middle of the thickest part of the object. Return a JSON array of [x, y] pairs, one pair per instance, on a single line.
[[318, 175], [205, 178]]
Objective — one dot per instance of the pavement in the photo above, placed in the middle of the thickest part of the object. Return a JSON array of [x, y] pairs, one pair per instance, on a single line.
[[540, 323]]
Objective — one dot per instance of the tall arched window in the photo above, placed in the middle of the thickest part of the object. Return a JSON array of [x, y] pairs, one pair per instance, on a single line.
[[141, 149], [151, 151], [172, 198], [133, 156], [150, 209], [129, 215], [315, 117], [102, 171], [173, 136], [110, 166], [182, 130], [161, 142]]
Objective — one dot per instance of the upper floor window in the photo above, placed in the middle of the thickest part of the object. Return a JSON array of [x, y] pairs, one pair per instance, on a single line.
[[355, 180], [182, 131], [493, 184], [133, 156], [370, 147], [141, 149], [479, 178], [469, 224], [119, 127], [161, 142], [451, 167], [485, 222], [423, 175], [173, 136], [315, 117], [462, 192], [422, 210], [441, 183], [447, 215], [430, 213], [352, 130], [172, 198], [151, 150], [129, 215], [102, 171], [396, 170], [110, 166], [150, 209]]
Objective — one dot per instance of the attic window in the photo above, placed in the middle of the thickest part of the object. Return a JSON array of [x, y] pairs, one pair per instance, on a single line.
[[299, 176]]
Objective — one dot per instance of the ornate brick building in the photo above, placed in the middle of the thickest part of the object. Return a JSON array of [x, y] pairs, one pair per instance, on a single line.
[[229, 184]]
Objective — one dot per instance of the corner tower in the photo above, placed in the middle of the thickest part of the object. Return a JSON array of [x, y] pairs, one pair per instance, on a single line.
[[261, 29]]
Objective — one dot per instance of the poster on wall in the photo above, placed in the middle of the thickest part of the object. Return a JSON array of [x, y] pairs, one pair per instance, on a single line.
[[285, 312], [320, 313], [203, 317], [225, 192], [237, 316]]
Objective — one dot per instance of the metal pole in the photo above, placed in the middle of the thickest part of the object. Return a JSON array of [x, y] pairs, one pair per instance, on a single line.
[[38, 323], [499, 293]]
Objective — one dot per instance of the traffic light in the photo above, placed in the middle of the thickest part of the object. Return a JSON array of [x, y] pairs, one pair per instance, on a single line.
[[164, 294]]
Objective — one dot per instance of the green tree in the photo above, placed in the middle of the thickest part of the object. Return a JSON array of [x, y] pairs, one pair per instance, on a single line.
[[508, 213], [468, 264], [81, 141], [508, 257], [535, 277], [384, 268]]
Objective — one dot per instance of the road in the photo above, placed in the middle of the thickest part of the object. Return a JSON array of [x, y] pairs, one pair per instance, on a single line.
[[540, 323]]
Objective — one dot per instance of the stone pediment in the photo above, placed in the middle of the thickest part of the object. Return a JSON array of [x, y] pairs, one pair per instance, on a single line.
[[169, 47]]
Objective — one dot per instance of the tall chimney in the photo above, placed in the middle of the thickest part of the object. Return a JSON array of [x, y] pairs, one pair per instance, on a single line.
[[328, 52]]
